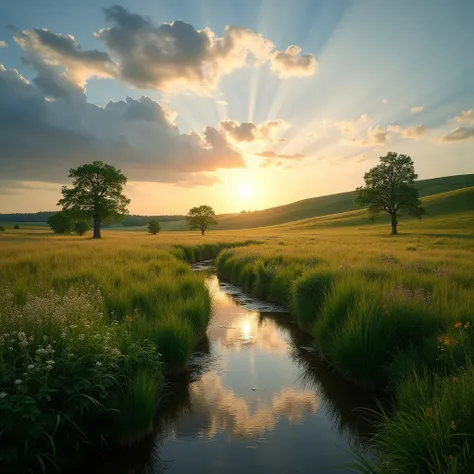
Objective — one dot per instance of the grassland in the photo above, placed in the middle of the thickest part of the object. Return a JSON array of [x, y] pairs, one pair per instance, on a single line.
[[89, 329]]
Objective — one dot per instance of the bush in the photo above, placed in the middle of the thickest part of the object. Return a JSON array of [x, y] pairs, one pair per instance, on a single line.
[[62, 367], [81, 227], [60, 222], [2, 228], [153, 226], [16, 226]]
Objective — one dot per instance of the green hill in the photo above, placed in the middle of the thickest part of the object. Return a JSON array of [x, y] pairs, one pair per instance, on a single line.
[[330, 205], [451, 209]]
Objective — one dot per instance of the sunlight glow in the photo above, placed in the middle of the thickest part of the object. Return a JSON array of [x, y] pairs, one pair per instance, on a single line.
[[246, 190]]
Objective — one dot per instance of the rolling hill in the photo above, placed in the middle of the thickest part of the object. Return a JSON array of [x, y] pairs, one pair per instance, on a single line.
[[330, 205]]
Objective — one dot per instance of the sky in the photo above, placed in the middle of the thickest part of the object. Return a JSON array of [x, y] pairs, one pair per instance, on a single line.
[[239, 105]]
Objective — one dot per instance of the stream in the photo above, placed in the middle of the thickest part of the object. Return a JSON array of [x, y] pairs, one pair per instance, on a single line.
[[256, 398]]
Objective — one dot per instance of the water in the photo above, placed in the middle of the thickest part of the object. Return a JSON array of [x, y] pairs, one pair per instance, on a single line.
[[256, 399]]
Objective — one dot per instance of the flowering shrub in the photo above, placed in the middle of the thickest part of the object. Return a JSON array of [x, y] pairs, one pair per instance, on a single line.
[[62, 365]]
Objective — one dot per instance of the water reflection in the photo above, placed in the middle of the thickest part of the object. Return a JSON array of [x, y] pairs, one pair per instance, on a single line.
[[255, 398]]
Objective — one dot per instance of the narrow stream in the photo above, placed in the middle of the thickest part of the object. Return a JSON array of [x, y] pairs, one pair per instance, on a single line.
[[256, 399]]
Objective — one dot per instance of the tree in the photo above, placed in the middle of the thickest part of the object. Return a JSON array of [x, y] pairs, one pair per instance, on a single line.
[[2, 228], [153, 226], [60, 222], [201, 218], [96, 193], [389, 188], [81, 227], [16, 226]]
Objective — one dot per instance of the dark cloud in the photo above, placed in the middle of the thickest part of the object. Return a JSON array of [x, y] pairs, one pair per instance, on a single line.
[[40, 138]]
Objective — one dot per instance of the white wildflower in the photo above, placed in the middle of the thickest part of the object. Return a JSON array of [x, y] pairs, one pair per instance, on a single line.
[[98, 364], [31, 367], [18, 382], [2, 395]]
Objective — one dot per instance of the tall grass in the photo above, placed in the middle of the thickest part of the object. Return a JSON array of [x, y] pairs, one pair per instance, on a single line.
[[87, 331], [392, 321]]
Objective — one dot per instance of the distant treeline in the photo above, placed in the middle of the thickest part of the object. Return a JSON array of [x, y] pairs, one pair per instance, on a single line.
[[132, 220]]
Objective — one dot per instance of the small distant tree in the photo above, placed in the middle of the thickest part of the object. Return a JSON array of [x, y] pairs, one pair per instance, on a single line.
[[60, 222], [81, 227], [2, 228], [16, 226], [201, 218], [96, 194], [153, 226], [389, 188]]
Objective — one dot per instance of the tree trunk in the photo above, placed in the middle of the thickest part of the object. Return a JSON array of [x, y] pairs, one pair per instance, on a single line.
[[202, 231], [394, 224], [97, 228]]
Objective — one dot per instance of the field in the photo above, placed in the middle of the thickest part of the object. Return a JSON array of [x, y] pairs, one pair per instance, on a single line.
[[110, 319]]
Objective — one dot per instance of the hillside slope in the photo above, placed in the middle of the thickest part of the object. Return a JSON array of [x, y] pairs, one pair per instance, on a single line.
[[329, 205], [453, 209]]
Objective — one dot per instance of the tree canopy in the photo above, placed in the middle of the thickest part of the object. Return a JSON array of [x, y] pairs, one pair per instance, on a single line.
[[201, 217], [153, 226], [389, 188], [97, 193]]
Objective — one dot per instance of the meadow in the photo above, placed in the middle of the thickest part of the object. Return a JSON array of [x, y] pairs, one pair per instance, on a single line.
[[90, 329]]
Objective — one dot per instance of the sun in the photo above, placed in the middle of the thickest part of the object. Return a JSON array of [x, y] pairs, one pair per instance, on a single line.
[[245, 190]]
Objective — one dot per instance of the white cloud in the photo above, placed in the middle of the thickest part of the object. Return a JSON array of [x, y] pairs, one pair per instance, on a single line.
[[384, 101], [292, 63], [466, 116], [222, 102], [167, 57], [417, 109], [415, 131], [250, 132], [3, 44], [374, 136]]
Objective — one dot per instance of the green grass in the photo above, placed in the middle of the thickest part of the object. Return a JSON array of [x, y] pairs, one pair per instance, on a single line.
[[330, 205], [87, 330], [389, 313]]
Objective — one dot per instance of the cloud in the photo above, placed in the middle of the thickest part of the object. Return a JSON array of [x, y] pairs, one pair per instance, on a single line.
[[415, 131], [63, 50], [291, 63], [459, 134], [466, 116], [374, 136], [278, 159], [350, 126], [222, 102], [168, 57], [3, 44], [418, 108], [240, 132], [246, 418], [138, 135], [384, 101]]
